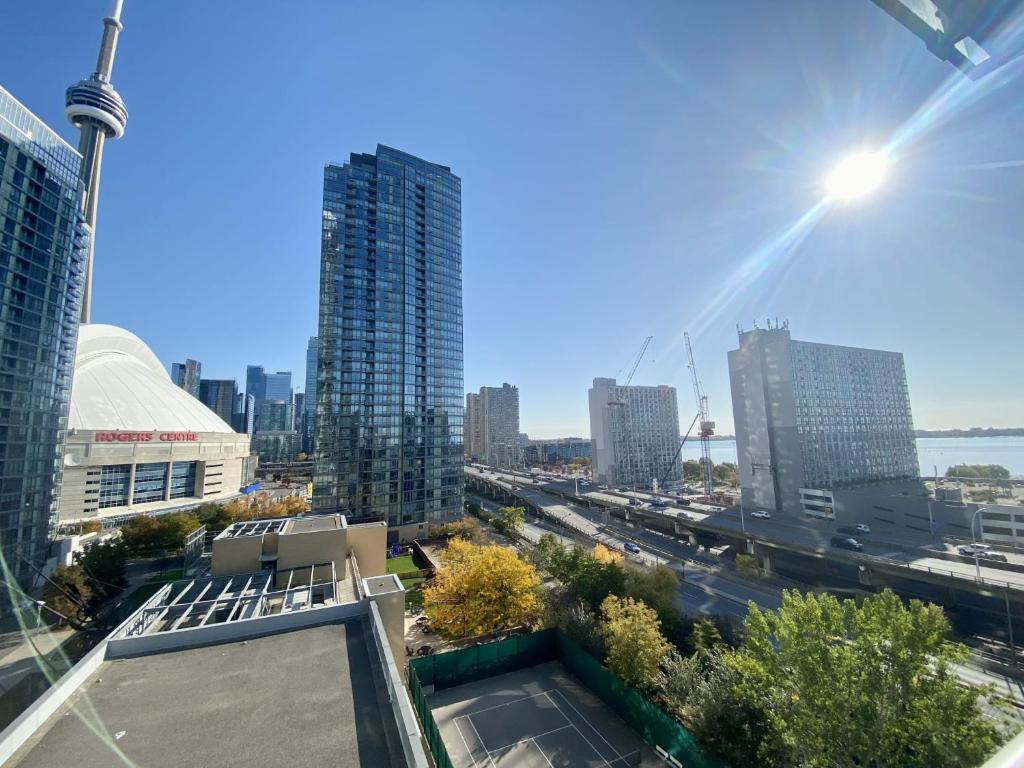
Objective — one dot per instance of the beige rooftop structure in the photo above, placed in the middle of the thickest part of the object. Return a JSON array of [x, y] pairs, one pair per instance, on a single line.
[[278, 665]]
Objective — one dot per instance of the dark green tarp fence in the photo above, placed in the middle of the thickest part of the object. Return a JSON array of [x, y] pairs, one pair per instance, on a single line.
[[477, 662]]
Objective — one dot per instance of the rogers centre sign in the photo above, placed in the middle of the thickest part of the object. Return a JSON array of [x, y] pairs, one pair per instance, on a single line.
[[146, 437]]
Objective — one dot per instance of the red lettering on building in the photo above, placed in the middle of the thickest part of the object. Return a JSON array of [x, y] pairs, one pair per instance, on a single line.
[[146, 437]]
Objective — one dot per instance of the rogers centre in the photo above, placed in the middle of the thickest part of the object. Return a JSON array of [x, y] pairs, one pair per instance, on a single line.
[[136, 442]]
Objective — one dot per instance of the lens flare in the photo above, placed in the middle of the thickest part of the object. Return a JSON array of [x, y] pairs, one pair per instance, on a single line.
[[858, 175]]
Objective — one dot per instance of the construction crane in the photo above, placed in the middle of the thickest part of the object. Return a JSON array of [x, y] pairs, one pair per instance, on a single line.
[[618, 400], [706, 426]]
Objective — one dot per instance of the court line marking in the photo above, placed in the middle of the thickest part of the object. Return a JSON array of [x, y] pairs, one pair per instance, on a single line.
[[482, 745], [531, 738], [618, 756], [542, 751], [506, 704], [465, 743]]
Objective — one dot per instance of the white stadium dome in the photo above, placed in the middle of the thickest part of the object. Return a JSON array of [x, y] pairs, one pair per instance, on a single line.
[[120, 385]]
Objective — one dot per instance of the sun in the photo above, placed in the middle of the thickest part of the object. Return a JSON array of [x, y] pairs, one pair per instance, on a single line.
[[857, 175]]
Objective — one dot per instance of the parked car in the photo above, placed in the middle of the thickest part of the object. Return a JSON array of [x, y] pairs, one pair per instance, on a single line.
[[761, 514], [847, 542], [632, 548]]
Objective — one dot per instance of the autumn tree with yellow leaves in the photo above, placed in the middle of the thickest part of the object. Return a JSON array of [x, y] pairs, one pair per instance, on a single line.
[[602, 554], [636, 647], [479, 590]]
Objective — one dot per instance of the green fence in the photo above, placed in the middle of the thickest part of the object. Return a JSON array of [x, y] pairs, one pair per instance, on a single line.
[[657, 728], [486, 660], [477, 662], [430, 732]]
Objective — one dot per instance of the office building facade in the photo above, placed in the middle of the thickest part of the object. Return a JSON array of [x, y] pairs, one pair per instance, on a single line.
[[811, 418], [219, 395], [389, 376], [188, 375], [264, 387], [492, 421], [635, 432], [43, 250]]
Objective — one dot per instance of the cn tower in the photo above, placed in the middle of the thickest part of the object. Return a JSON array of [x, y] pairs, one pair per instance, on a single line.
[[97, 110]]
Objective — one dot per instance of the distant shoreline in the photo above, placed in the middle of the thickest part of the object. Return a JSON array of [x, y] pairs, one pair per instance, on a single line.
[[973, 432]]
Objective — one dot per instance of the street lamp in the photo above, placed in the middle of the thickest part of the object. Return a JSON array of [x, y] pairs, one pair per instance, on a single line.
[[974, 541]]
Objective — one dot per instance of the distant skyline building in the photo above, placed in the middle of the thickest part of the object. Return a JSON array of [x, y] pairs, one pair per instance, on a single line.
[[814, 417], [635, 431], [97, 110], [309, 411], [188, 375], [558, 451], [44, 241], [389, 373], [494, 424], [276, 445], [473, 435], [276, 416], [264, 386], [299, 401], [219, 395], [244, 417]]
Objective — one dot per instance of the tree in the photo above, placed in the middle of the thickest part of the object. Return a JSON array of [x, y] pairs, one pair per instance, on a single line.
[[104, 565], [979, 471], [67, 592], [467, 528], [510, 521], [706, 637], [870, 685], [657, 587], [153, 535], [479, 590], [726, 473], [548, 550], [747, 565], [691, 471], [604, 555], [703, 691], [636, 647]]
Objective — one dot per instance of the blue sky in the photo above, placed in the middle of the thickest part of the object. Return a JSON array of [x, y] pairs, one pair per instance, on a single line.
[[628, 169]]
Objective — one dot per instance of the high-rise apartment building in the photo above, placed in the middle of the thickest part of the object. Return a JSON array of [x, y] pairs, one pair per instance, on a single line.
[[492, 425], [219, 395], [43, 250], [635, 431], [389, 374], [813, 417], [188, 375], [299, 401], [276, 416]]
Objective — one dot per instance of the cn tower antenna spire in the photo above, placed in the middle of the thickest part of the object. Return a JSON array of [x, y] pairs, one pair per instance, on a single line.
[[97, 110]]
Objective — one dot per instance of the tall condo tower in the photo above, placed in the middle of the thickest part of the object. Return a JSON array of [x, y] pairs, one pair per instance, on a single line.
[[389, 371], [97, 110]]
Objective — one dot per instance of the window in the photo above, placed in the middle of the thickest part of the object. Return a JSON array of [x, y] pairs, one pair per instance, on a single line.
[[114, 480], [150, 482], [183, 479]]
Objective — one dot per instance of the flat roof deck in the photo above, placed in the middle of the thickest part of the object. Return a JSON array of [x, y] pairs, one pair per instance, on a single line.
[[313, 696]]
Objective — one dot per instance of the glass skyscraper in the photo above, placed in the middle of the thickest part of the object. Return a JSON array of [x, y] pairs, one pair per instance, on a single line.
[[389, 377], [43, 249]]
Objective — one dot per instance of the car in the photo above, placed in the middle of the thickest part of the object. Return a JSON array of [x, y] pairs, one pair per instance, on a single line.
[[632, 548], [634, 502], [858, 528], [970, 550], [846, 542], [992, 555], [761, 514]]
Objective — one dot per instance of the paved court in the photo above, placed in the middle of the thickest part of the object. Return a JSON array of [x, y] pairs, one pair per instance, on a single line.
[[540, 717]]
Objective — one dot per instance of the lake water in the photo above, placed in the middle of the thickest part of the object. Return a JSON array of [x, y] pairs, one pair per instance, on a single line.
[[942, 452]]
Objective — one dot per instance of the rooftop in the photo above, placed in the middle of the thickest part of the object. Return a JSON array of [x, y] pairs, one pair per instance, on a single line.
[[313, 696]]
